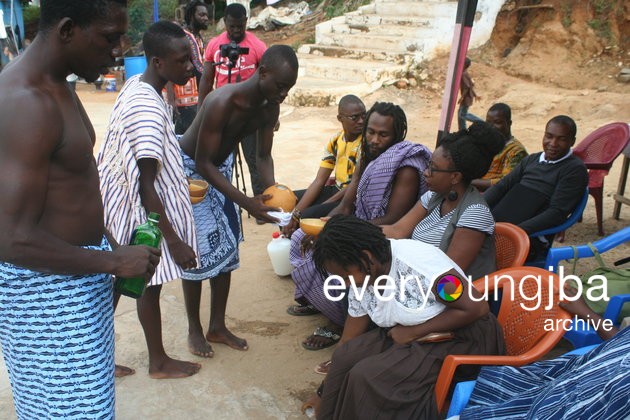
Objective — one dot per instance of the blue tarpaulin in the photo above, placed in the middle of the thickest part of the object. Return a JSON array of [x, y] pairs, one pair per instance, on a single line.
[[13, 20]]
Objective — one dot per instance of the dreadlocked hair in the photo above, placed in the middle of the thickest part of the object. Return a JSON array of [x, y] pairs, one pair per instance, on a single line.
[[190, 10], [386, 109], [344, 240]]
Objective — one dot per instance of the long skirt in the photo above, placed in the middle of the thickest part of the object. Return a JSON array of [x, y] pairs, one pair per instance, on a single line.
[[57, 335], [218, 227], [372, 377]]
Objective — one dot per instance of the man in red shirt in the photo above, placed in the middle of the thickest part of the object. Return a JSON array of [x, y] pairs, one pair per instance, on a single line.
[[216, 75]]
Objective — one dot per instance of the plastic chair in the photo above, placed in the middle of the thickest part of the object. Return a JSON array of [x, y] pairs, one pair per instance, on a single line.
[[512, 245], [555, 255], [463, 390], [524, 330], [598, 151], [585, 335], [571, 220]]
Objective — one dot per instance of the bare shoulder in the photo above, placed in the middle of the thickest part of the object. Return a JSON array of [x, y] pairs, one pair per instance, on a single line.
[[28, 115], [218, 100]]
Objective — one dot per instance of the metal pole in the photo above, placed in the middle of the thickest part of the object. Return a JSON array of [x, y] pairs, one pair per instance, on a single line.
[[156, 11]]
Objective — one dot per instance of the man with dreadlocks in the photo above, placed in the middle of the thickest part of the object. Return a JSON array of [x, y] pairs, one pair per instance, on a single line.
[[392, 369], [385, 186]]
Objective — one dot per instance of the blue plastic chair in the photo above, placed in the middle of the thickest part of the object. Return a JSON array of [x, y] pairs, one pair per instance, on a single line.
[[583, 336], [573, 218], [555, 255], [463, 390]]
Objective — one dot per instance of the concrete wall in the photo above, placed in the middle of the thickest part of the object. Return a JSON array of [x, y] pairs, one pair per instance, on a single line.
[[487, 11]]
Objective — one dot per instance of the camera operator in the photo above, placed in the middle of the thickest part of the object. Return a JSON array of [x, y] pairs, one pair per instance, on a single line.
[[216, 75]]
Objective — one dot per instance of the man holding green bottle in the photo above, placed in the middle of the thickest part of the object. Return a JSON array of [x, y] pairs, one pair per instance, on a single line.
[[141, 171], [56, 311]]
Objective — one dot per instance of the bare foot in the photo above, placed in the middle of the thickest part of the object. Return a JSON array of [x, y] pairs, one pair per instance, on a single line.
[[198, 346], [170, 369], [122, 371], [226, 337]]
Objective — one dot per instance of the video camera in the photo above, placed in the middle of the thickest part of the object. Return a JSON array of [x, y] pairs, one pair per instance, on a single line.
[[233, 51]]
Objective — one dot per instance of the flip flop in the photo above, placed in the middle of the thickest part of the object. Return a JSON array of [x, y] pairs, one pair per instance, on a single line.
[[323, 367], [302, 310], [332, 336]]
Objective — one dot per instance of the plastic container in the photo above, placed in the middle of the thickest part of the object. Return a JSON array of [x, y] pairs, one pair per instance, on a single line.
[[110, 83], [134, 65], [278, 250]]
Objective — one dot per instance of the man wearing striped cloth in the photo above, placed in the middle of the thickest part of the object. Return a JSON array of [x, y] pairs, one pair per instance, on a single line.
[[141, 171], [56, 312]]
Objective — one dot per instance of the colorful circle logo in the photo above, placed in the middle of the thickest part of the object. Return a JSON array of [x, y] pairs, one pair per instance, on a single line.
[[455, 282]]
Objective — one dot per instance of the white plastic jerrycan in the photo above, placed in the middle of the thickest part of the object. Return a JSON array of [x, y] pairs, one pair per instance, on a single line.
[[278, 250]]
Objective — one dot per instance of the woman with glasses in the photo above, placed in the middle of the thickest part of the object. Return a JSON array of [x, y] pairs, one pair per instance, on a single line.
[[453, 215]]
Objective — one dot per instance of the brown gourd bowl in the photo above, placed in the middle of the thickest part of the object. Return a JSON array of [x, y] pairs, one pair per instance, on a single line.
[[197, 188], [312, 226], [282, 197]]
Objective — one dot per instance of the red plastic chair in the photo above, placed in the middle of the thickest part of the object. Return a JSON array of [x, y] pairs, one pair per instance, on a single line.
[[512, 245], [598, 151]]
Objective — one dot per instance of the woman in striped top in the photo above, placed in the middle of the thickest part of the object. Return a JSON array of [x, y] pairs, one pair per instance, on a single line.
[[453, 215]]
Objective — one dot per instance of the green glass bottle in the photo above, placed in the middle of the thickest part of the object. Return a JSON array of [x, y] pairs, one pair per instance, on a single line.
[[145, 234]]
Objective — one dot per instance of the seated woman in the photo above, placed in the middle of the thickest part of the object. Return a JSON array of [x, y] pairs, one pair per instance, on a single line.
[[385, 186], [453, 215], [391, 370], [594, 385]]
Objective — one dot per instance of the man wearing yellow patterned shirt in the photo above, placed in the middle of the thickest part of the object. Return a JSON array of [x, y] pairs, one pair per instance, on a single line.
[[500, 116], [340, 155]]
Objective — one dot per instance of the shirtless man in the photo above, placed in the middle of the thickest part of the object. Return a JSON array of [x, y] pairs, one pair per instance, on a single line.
[[56, 311], [227, 115]]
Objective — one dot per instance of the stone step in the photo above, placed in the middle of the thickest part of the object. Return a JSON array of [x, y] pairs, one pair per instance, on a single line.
[[358, 19], [382, 42], [368, 54], [320, 92], [349, 70], [411, 8], [395, 31]]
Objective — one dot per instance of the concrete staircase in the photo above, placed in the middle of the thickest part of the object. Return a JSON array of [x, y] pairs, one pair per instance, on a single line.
[[379, 43]]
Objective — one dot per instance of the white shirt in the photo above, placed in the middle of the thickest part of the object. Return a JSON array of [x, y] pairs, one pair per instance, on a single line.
[[412, 301]]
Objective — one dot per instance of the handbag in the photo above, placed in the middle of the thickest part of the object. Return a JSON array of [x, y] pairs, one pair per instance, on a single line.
[[617, 279]]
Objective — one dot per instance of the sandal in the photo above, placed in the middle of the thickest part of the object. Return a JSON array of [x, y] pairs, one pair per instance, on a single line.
[[324, 332], [302, 310], [323, 367]]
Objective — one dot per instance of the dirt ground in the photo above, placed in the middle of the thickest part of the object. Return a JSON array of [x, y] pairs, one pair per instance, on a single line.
[[272, 379]]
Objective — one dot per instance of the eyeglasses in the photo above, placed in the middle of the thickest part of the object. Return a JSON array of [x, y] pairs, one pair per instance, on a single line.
[[355, 117], [430, 169]]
